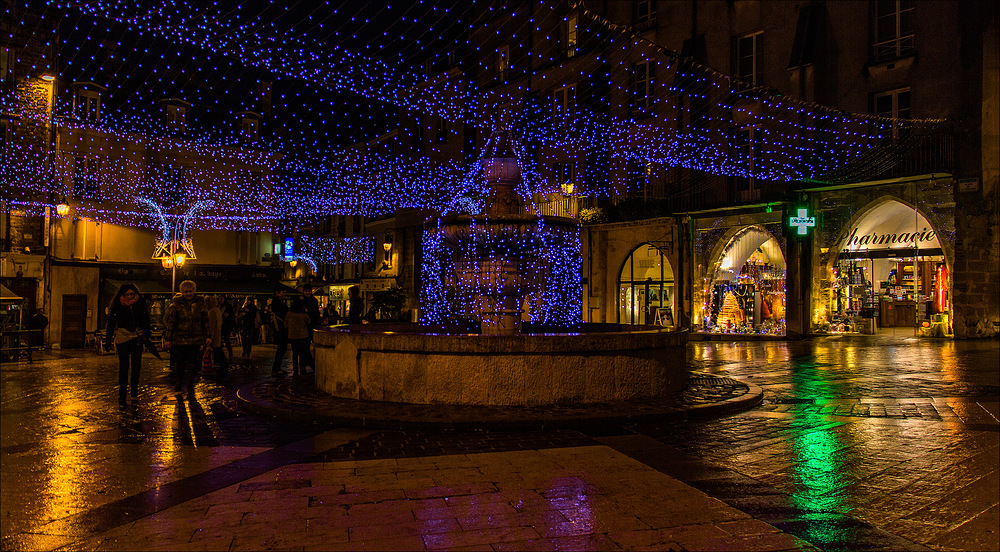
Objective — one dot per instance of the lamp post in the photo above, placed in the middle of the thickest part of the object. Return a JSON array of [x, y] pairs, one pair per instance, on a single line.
[[173, 259], [172, 254]]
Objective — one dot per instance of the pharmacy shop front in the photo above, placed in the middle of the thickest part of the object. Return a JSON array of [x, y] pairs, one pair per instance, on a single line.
[[888, 271]]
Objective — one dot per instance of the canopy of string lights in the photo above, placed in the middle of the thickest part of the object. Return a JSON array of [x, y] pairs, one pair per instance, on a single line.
[[327, 83]]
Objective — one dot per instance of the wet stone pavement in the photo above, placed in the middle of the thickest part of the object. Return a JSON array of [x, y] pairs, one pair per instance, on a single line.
[[857, 444]]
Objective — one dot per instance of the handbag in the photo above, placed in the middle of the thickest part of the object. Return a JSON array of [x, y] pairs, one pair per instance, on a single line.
[[122, 335], [206, 360]]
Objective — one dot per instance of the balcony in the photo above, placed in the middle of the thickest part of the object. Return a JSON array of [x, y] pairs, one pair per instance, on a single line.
[[895, 158]]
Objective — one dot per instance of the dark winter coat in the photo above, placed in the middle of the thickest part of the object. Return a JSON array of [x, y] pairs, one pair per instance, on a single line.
[[130, 317], [186, 322], [312, 309]]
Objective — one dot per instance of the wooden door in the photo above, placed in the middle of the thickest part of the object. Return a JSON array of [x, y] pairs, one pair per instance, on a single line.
[[74, 321]]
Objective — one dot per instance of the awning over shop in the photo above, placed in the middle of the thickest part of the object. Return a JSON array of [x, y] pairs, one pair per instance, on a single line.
[[155, 289], [150, 289], [243, 287], [8, 296]]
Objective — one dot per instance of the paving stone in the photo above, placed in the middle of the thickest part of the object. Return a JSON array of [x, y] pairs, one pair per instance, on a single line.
[[173, 475]]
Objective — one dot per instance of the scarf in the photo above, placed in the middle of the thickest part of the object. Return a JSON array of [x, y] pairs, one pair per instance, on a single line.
[[128, 302]]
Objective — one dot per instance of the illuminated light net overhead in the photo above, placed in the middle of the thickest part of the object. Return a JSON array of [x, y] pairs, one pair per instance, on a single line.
[[342, 75]]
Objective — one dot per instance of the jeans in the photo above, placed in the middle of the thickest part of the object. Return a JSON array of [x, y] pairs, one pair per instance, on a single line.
[[301, 355], [185, 361], [247, 335], [281, 347], [129, 359], [221, 362]]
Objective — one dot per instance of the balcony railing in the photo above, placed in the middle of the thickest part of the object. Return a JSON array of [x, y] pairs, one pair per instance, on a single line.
[[891, 49]]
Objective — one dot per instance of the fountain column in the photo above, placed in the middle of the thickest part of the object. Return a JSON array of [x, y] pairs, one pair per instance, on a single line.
[[500, 277]]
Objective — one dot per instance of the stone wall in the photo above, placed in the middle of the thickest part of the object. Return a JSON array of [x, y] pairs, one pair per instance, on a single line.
[[977, 216], [500, 370]]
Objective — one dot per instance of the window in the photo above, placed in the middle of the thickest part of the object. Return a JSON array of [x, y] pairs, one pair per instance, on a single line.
[[893, 29], [418, 134], [86, 178], [747, 60], [250, 129], [744, 144], [565, 173], [440, 130], [87, 105], [642, 88], [645, 16], [170, 180], [503, 63], [176, 117], [565, 105], [571, 34], [7, 68], [639, 173], [894, 104], [645, 287]]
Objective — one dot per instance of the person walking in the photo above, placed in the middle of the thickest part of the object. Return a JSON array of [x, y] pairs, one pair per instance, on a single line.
[[228, 323], [266, 327], [311, 305], [216, 332], [278, 311], [298, 324], [247, 321], [128, 326], [355, 305], [185, 333], [38, 322]]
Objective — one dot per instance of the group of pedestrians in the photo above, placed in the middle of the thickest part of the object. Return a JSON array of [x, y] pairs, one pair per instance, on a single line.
[[196, 326], [293, 325]]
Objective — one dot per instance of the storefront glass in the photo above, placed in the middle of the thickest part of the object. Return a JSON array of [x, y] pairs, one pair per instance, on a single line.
[[646, 288], [890, 273], [747, 292]]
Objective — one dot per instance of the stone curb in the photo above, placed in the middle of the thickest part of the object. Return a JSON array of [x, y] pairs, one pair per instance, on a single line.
[[259, 398]]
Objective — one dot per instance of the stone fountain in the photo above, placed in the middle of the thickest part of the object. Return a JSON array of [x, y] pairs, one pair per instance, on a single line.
[[497, 268]]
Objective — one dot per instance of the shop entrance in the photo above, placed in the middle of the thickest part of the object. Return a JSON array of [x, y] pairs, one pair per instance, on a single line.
[[747, 293], [890, 275], [646, 288]]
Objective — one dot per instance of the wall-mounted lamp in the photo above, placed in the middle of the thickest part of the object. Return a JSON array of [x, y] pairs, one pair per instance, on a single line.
[[387, 247], [62, 209], [292, 263]]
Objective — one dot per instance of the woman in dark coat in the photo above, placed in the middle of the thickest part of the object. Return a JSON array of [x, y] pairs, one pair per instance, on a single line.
[[128, 326]]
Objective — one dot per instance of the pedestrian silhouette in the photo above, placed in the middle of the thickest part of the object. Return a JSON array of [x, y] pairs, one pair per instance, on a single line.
[[128, 327]]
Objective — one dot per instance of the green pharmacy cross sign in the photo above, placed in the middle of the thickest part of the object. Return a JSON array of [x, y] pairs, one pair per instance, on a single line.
[[803, 221]]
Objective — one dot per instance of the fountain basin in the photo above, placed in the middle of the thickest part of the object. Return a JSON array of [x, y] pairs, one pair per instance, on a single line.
[[501, 370]]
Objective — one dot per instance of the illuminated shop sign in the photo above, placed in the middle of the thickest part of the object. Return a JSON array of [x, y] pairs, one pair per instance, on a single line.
[[891, 225]]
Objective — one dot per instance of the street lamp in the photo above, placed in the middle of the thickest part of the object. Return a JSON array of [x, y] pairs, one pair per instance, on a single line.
[[172, 256], [174, 246]]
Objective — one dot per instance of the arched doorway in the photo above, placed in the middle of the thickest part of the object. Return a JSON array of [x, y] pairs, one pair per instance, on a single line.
[[889, 271], [747, 293], [646, 288]]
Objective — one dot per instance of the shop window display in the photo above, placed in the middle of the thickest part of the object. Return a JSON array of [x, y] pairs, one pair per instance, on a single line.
[[747, 292]]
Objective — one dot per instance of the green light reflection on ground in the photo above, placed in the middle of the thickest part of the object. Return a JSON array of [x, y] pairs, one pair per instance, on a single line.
[[819, 473]]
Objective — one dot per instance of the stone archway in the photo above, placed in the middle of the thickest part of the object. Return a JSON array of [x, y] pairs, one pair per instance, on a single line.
[[745, 284], [887, 268]]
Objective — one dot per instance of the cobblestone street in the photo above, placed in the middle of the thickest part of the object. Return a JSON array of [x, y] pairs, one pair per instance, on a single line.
[[859, 444]]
